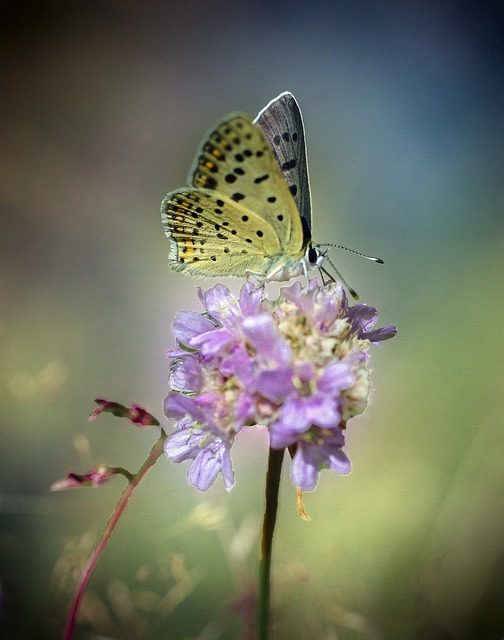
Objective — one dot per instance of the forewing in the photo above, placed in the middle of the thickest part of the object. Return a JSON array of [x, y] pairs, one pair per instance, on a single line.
[[282, 124], [235, 161]]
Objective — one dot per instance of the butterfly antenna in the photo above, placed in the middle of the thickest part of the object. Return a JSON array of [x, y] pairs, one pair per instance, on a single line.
[[351, 290], [357, 253]]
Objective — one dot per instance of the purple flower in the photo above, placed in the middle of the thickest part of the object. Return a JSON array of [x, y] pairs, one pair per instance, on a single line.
[[295, 365], [325, 452], [363, 318], [210, 454]]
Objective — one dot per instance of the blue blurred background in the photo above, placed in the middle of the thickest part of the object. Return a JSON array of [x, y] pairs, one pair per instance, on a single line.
[[103, 105]]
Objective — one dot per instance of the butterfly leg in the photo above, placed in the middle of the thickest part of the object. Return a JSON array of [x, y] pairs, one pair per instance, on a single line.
[[257, 278]]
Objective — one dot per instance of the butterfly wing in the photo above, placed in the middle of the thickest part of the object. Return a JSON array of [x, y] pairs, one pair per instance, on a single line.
[[211, 236], [238, 187], [282, 125], [236, 161]]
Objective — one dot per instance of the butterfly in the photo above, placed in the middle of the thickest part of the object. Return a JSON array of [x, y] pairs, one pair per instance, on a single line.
[[247, 209]]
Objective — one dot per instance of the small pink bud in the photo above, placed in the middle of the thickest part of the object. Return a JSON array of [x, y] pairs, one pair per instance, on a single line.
[[93, 478], [135, 414]]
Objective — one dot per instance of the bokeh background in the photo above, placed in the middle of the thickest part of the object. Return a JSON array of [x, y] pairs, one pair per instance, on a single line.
[[103, 105]]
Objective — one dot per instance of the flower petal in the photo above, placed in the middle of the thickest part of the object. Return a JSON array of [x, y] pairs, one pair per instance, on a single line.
[[186, 374], [294, 421], [221, 305], [227, 469], [362, 318], [203, 471], [329, 302], [281, 436], [262, 333], [275, 384], [384, 333], [250, 299], [178, 406], [322, 411], [305, 467], [184, 444], [294, 415], [339, 462], [211, 342], [188, 324], [244, 409], [206, 466], [337, 376]]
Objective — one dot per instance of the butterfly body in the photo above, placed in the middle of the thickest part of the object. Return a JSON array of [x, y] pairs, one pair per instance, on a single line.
[[247, 210]]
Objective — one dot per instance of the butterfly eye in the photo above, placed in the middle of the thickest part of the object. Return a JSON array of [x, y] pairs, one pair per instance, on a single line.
[[314, 255]]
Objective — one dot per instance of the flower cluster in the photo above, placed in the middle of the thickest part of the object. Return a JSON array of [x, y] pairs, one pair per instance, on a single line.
[[296, 365]]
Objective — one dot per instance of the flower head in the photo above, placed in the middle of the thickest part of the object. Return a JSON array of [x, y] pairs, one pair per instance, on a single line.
[[295, 365]]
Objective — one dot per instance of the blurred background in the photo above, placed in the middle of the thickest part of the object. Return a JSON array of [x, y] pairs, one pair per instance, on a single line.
[[104, 104]]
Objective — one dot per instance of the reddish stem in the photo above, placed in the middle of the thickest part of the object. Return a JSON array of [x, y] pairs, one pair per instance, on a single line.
[[156, 451]]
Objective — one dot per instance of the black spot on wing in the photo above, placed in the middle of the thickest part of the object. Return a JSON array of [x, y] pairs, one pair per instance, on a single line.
[[208, 182], [289, 165]]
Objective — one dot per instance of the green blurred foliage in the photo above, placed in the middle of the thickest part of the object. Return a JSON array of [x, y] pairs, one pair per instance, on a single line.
[[103, 107]]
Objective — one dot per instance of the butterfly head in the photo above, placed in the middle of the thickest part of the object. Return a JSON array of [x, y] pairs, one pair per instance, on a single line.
[[314, 257]]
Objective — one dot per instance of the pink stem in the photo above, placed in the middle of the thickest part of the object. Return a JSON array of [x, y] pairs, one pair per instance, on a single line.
[[156, 451]]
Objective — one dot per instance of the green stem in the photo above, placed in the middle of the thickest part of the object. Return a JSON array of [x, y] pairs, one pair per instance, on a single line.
[[272, 486], [155, 453]]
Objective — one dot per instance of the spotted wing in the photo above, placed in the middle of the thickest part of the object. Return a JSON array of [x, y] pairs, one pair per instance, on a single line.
[[236, 162], [282, 124], [213, 236]]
